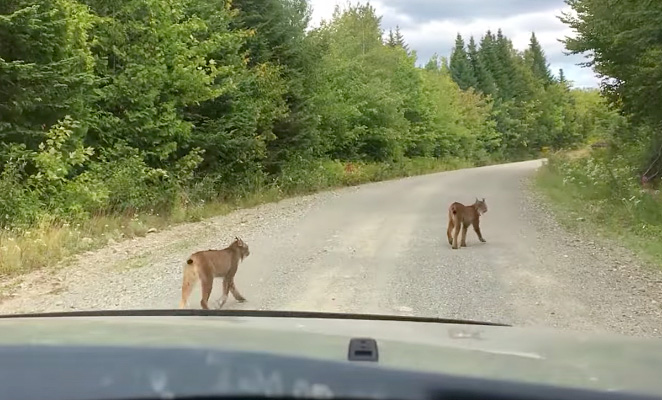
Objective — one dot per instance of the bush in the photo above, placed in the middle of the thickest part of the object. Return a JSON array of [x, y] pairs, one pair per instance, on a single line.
[[19, 206], [306, 176], [605, 189]]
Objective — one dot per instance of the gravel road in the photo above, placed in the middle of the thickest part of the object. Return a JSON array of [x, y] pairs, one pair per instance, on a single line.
[[381, 248]]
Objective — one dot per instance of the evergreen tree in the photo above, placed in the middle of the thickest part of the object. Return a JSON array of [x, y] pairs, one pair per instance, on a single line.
[[460, 66], [488, 55], [396, 39], [46, 68], [485, 82], [236, 128], [400, 40], [506, 74], [563, 81], [279, 38], [536, 60], [391, 42]]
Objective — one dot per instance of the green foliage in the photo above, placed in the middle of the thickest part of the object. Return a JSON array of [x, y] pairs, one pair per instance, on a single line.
[[362, 88], [19, 205], [153, 57], [601, 193], [45, 66], [614, 189], [434, 63], [484, 80], [623, 43], [112, 109], [531, 110], [537, 62], [279, 44], [395, 39], [472, 135], [461, 66], [52, 188], [562, 78]]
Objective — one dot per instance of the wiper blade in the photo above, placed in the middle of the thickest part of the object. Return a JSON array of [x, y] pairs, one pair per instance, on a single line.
[[249, 313]]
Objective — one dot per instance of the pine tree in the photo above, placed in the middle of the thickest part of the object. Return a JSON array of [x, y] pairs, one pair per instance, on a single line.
[[400, 39], [396, 39], [487, 54], [506, 74], [536, 60], [278, 26], [390, 42], [564, 82], [485, 82], [45, 67], [279, 38], [460, 66]]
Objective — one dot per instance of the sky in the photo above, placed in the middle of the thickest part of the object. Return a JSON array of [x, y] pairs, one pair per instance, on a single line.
[[430, 26]]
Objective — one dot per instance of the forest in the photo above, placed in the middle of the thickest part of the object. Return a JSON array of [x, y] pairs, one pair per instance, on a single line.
[[151, 107]]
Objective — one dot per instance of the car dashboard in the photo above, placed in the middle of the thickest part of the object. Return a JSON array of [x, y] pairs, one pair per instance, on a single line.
[[46, 372]]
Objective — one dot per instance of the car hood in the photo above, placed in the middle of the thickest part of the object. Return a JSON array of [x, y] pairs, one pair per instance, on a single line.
[[542, 356]]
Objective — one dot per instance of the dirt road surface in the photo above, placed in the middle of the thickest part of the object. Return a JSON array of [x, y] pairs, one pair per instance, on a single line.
[[381, 248]]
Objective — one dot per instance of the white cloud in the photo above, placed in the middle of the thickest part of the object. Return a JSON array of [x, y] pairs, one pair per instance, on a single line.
[[322, 9]]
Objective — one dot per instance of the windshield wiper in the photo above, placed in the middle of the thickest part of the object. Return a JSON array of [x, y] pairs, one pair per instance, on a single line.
[[249, 313]]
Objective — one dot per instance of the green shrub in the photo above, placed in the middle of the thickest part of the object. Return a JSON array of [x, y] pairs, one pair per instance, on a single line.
[[604, 190]]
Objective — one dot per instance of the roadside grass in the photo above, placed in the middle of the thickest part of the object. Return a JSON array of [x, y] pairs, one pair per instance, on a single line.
[[615, 208], [51, 242]]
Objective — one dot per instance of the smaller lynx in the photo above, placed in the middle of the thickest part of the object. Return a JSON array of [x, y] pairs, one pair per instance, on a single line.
[[461, 216]]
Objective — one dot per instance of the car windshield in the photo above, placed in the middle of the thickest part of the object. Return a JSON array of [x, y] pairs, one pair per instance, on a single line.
[[475, 160]]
